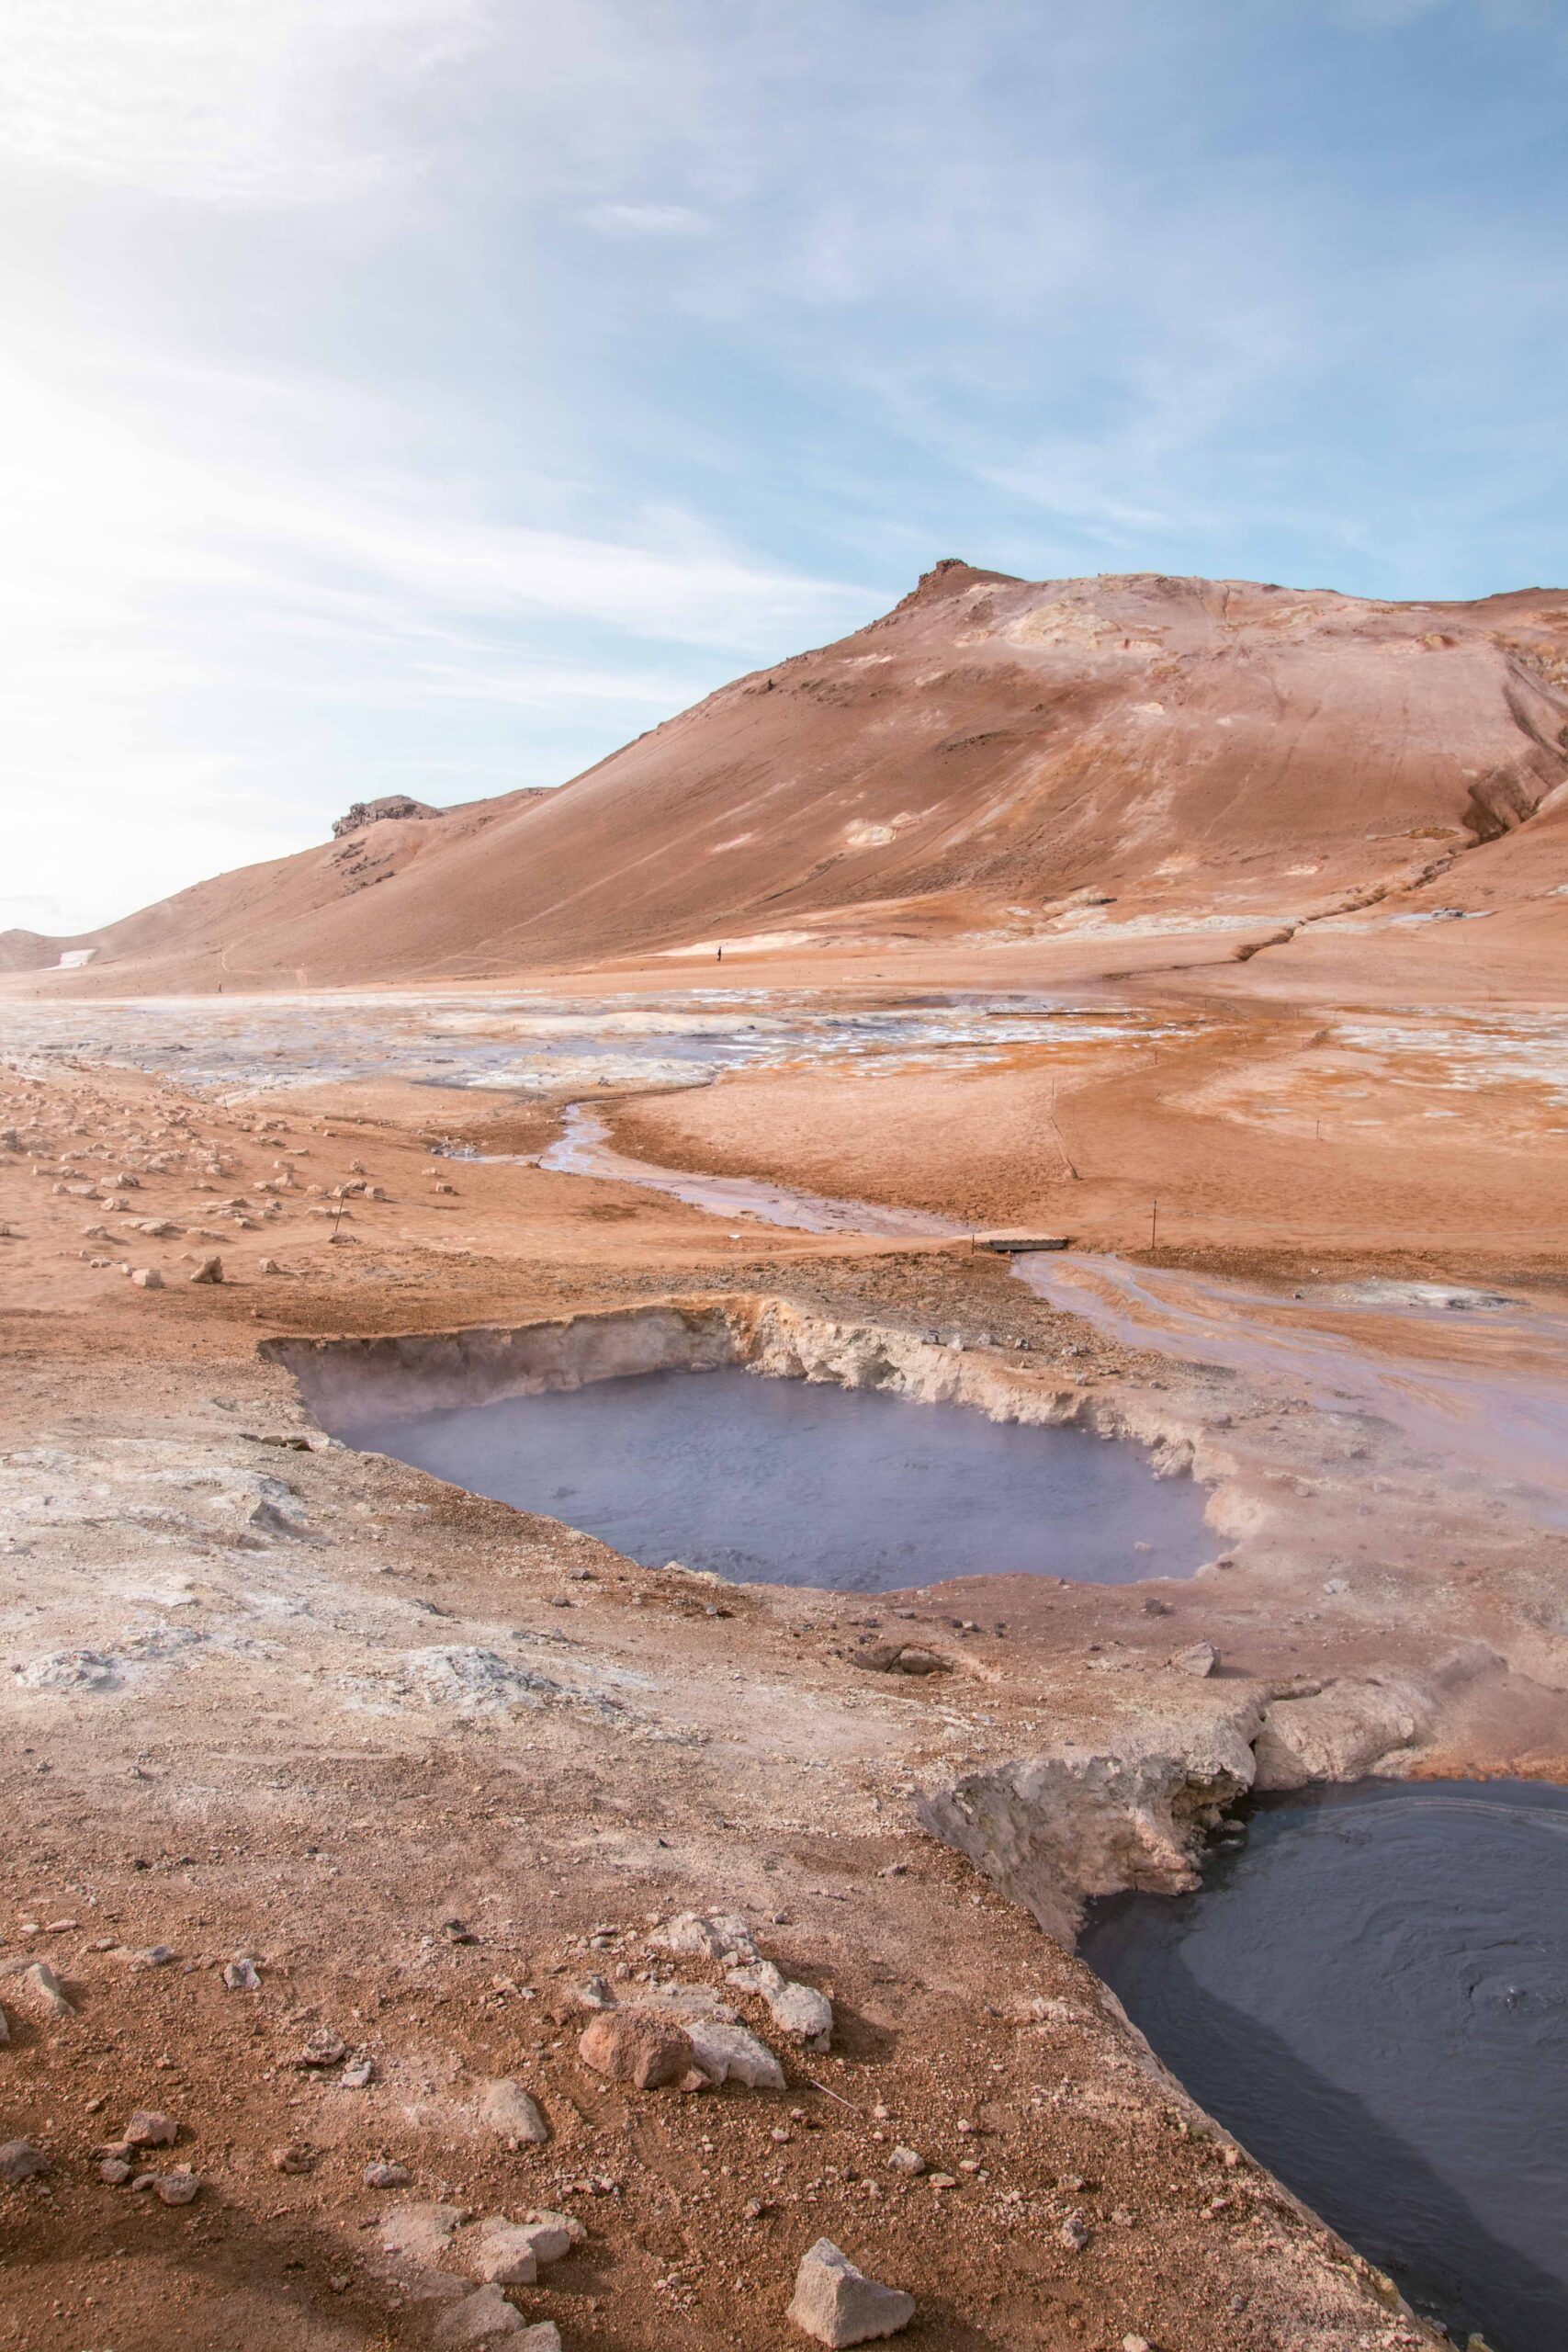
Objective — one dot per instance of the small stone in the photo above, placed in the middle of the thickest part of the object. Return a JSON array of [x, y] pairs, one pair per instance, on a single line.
[[387, 2175], [292, 2159], [324, 2048], [19, 2160], [1198, 1657], [506, 2109], [359, 2074], [240, 1975], [1074, 2234], [41, 1980], [727, 2052], [477, 2319], [837, 2304], [553, 2236], [943, 2181], [501, 2253], [802, 2012], [148, 2129], [1135, 2344], [147, 1278], [114, 2170], [211, 1270], [636, 2046], [907, 2160], [176, 2187], [723, 1935]]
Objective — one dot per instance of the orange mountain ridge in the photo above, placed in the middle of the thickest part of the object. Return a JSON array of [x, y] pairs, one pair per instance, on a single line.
[[995, 757]]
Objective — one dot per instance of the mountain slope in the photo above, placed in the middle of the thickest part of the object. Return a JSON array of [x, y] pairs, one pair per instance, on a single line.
[[987, 752]]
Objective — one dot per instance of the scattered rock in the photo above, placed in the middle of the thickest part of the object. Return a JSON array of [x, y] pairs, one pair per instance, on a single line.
[[359, 2074], [637, 2046], [553, 2236], [1074, 2234], [907, 2160], [292, 2159], [177, 2187], [147, 1278], [211, 1270], [323, 2048], [380, 2175], [799, 2009], [114, 2170], [727, 2052], [501, 2253], [506, 2109], [148, 2129], [41, 1981], [721, 1934], [896, 1658], [835, 2304], [19, 2160], [240, 1975], [479, 2317], [1198, 1657]]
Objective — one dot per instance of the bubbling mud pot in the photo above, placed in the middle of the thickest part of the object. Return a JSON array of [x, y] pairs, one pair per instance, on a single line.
[[1371, 1991], [790, 1482]]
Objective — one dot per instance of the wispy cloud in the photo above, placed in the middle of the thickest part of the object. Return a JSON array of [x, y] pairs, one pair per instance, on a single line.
[[647, 220], [430, 393], [282, 102]]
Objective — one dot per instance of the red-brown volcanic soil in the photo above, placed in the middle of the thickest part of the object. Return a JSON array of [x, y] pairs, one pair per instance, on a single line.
[[435, 1764]]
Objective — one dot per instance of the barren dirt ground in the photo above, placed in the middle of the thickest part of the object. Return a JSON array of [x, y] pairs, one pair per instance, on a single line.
[[443, 1773]]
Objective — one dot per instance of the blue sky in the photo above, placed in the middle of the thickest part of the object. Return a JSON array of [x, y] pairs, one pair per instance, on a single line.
[[428, 395]]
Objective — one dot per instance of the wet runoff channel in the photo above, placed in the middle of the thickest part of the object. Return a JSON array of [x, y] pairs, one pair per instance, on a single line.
[[1371, 1991], [784, 1481]]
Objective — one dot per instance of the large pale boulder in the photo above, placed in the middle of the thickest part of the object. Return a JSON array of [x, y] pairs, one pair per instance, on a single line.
[[837, 2304]]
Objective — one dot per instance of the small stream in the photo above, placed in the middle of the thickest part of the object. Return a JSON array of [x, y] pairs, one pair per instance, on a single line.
[[1472, 1379], [1371, 1993], [583, 1148]]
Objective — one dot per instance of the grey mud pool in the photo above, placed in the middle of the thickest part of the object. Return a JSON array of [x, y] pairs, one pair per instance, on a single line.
[[795, 1482], [1371, 1991]]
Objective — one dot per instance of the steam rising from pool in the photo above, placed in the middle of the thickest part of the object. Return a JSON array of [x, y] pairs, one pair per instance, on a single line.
[[798, 1483]]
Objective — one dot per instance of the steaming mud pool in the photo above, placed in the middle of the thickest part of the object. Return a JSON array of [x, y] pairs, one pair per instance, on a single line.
[[790, 1482], [1371, 1993]]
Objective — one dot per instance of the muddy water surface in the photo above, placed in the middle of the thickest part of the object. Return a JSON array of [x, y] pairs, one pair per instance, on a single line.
[[1371, 1993], [790, 1482], [1475, 1380]]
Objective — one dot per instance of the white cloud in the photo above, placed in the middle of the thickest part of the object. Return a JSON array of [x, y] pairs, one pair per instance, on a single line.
[[247, 101], [647, 220]]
